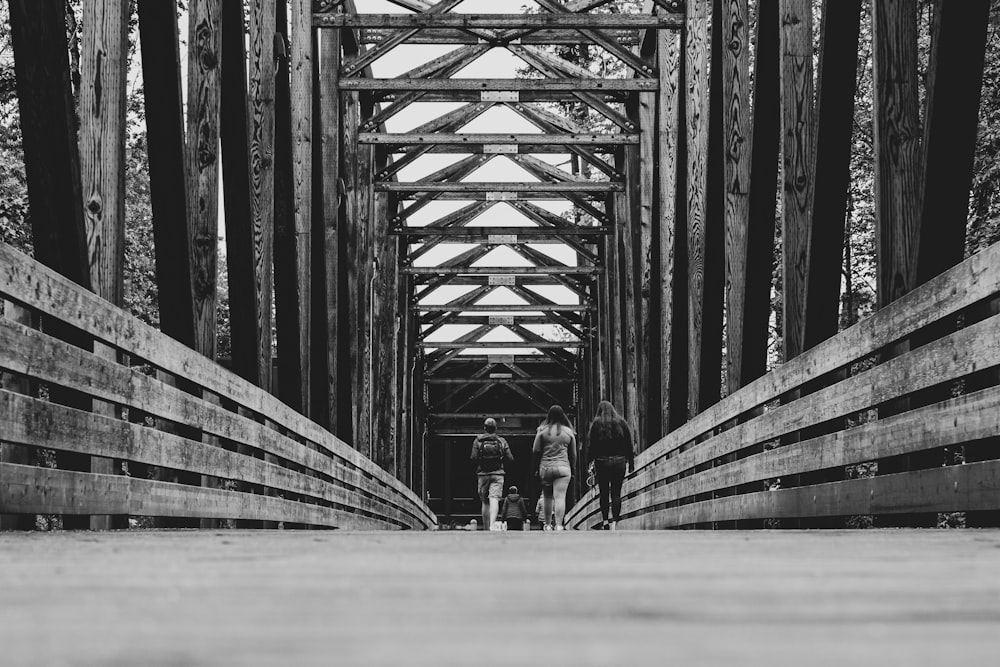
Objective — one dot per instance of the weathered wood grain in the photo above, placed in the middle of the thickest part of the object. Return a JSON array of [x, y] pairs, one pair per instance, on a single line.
[[204, 86], [30, 489], [898, 153], [797, 166], [27, 281], [41, 424], [696, 101], [735, 19], [953, 488]]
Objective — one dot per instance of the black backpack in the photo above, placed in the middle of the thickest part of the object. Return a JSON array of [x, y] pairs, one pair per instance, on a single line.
[[490, 452]]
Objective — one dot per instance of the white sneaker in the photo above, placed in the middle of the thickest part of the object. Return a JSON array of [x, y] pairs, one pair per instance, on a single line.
[[560, 527], [546, 527], [613, 525]]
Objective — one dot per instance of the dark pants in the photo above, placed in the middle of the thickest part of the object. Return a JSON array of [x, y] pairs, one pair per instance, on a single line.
[[610, 473], [515, 524]]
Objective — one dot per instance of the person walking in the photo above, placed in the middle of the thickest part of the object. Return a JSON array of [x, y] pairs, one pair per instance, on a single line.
[[513, 510], [611, 452], [490, 451], [554, 455]]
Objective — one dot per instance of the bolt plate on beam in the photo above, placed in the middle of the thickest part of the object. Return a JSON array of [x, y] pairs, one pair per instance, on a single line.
[[501, 238], [503, 280], [501, 376], [499, 149], [500, 96], [501, 319], [501, 196]]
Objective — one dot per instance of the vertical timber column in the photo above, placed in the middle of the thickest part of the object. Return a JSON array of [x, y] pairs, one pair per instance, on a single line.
[[204, 85], [797, 174], [103, 66], [293, 204], [672, 297], [648, 395], [672, 228], [735, 76], [203, 165], [161, 62], [703, 373], [262, 133], [898, 172], [622, 218], [613, 308], [51, 163], [761, 204], [383, 344], [327, 229]]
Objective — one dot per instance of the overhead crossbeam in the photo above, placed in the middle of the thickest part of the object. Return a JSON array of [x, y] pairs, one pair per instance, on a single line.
[[569, 21]]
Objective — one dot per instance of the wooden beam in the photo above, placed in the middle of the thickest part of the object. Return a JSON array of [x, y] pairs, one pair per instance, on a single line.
[[204, 42], [499, 235], [568, 21], [797, 166], [834, 124], [503, 270], [48, 131], [736, 177], [397, 85], [500, 345], [505, 308], [670, 234], [626, 38], [756, 299], [103, 69], [498, 139], [291, 172], [464, 187], [954, 83], [165, 143], [702, 234]]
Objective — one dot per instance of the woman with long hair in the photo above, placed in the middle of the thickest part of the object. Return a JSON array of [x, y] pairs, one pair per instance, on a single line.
[[610, 450], [554, 455]]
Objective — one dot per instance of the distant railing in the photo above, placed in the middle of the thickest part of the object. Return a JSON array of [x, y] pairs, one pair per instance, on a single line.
[[146, 399], [916, 376]]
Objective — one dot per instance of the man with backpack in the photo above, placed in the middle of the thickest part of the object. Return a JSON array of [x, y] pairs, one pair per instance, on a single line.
[[489, 451]]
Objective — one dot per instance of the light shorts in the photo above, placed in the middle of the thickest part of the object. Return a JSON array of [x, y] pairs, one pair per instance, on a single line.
[[490, 486], [548, 472]]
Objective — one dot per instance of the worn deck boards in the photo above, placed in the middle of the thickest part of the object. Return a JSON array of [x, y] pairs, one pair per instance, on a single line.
[[681, 598]]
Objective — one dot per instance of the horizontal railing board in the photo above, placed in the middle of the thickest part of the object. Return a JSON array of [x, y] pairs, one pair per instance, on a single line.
[[953, 422], [54, 361], [29, 421], [975, 279], [949, 358], [33, 490], [32, 284], [969, 487]]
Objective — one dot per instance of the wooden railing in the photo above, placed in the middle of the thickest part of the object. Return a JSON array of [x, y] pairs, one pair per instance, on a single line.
[[916, 376], [143, 398]]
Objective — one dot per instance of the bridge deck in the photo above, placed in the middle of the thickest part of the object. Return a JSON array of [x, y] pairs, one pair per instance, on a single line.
[[684, 598]]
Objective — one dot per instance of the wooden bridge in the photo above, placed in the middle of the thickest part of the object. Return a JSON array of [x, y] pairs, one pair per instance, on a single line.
[[372, 326]]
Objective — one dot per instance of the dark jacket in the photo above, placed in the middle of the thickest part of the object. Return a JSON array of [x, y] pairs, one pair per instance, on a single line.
[[487, 465], [615, 441], [513, 507]]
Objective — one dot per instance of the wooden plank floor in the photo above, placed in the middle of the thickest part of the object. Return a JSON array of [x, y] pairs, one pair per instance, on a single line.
[[452, 598]]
